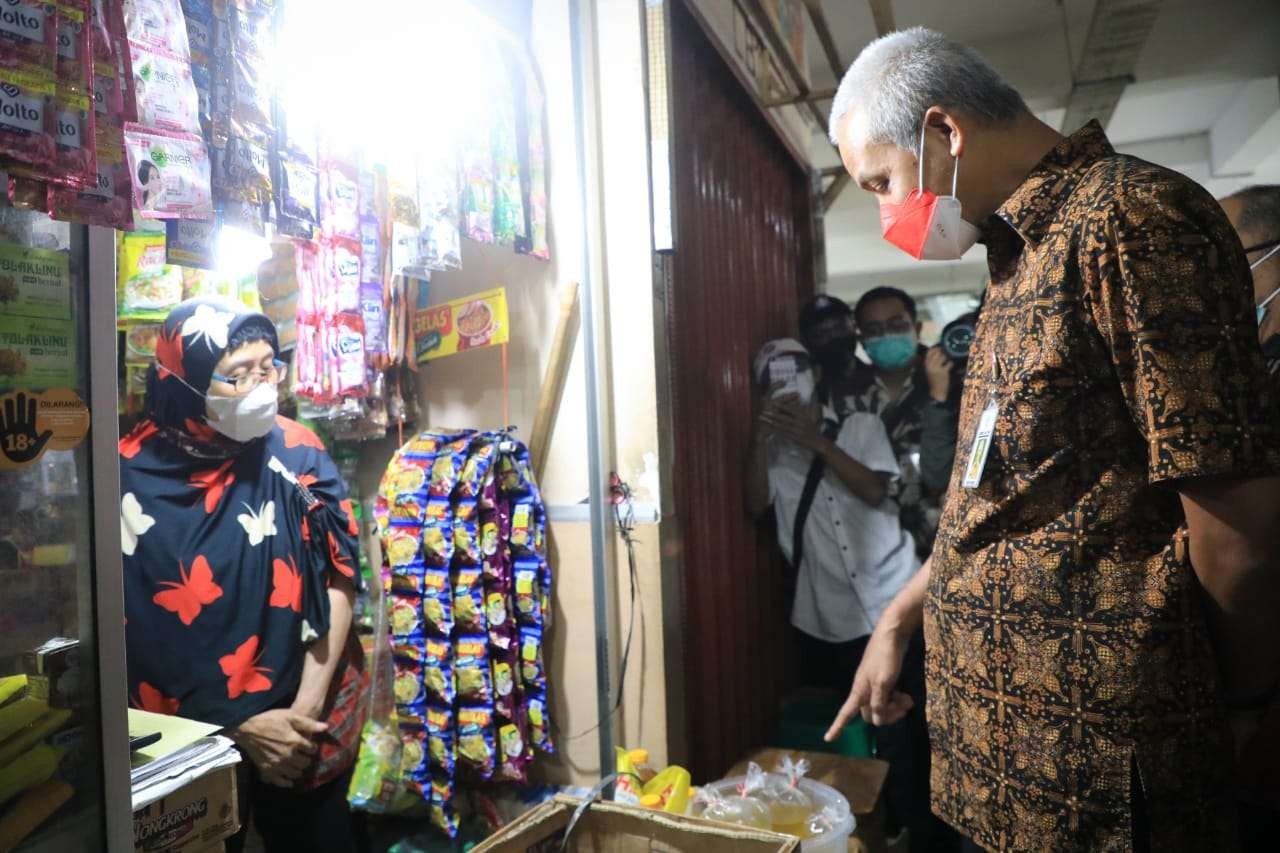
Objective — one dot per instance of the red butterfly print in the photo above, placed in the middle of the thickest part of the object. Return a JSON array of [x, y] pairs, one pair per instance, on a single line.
[[151, 699], [352, 527], [295, 434], [201, 430], [187, 597], [308, 480], [242, 670], [131, 444], [169, 355], [339, 560], [288, 585], [214, 483]]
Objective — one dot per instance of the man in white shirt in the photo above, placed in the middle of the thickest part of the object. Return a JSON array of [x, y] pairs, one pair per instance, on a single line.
[[828, 483]]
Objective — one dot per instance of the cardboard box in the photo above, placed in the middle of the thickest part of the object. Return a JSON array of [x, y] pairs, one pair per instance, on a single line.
[[613, 828], [191, 819]]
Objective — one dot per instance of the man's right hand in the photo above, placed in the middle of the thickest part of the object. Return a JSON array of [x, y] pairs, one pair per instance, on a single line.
[[874, 694], [279, 744]]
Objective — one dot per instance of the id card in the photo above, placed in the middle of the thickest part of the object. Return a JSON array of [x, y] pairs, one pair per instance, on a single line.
[[981, 445]]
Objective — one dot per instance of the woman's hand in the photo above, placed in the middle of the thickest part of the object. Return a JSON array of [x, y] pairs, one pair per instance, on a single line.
[[279, 744]]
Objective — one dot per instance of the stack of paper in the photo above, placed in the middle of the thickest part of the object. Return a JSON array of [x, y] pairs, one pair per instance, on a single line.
[[186, 751]]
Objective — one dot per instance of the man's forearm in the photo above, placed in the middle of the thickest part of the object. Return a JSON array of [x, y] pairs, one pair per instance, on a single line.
[[1243, 600], [866, 485], [905, 613], [324, 654]]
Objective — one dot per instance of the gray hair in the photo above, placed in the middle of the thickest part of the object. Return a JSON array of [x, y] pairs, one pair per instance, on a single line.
[[1260, 209], [899, 76]]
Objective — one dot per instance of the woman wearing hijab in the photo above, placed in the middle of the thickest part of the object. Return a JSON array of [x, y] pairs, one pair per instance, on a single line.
[[239, 553]]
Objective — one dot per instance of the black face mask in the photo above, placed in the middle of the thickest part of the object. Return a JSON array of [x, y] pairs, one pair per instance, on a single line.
[[835, 356]]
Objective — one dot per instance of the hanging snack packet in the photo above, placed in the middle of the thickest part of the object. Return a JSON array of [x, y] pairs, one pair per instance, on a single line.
[[244, 182], [476, 748], [170, 172], [165, 91], [439, 188], [508, 202], [415, 762], [528, 599], [108, 96], [441, 811], [440, 744], [466, 544], [522, 527], [400, 547], [339, 199], [532, 673], [477, 189], [473, 670], [405, 612], [438, 671], [512, 753], [408, 686], [296, 193], [468, 601], [75, 46], [407, 581], [191, 242], [76, 162], [506, 665], [475, 470], [539, 722], [437, 603], [344, 269], [28, 116], [159, 23], [29, 35], [349, 376]]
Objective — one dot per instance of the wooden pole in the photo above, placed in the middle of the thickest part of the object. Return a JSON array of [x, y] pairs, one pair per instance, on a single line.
[[557, 373]]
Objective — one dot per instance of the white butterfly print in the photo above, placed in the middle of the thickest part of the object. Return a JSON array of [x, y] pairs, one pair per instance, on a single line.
[[210, 324], [276, 465], [259, 525], [133, 523]]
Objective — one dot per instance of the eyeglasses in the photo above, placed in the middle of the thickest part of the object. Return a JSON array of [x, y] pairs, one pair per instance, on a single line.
[[251, 379], [900, 325]]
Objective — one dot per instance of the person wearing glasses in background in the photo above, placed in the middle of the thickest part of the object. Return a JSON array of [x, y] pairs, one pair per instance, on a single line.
[[239, 575], [1255, 214], [909, 386]]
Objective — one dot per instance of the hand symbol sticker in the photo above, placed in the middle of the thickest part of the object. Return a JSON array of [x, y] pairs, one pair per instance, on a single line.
[[19, 441]]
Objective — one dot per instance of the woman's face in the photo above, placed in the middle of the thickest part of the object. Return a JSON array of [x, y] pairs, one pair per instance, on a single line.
[[253, 356]]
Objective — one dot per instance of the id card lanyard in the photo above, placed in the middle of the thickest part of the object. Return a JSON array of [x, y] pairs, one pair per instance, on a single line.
[[981, 446]]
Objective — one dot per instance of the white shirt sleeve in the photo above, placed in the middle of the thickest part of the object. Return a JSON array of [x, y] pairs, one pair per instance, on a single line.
[[863, 437]]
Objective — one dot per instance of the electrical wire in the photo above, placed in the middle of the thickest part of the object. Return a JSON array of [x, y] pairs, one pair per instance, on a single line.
[[624, 517]]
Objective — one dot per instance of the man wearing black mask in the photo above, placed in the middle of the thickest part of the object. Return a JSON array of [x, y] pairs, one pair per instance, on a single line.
[[1255, 214], [827, 332]]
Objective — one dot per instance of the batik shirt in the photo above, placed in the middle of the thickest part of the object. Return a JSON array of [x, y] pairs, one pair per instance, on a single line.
[[1067, 647]]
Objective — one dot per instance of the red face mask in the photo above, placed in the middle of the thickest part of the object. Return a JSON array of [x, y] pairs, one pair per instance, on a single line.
[[925, 225]]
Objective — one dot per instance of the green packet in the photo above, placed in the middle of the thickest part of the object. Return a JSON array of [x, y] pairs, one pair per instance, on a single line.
[[36, 353], [34, 282]]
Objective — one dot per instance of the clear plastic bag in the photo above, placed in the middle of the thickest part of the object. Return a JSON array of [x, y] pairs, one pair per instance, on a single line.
[[742, 808], [789, 806]]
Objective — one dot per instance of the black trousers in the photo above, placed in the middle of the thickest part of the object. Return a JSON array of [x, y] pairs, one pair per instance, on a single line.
[[905, 744], [315, 821]]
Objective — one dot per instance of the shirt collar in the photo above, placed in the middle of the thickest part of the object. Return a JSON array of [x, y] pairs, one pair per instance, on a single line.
[[1033, 207]]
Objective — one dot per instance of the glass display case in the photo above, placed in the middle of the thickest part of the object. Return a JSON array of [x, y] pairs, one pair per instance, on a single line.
[[63, 735]]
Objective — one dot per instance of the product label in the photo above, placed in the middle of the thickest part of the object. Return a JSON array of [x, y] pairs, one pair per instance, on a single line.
[[70, 125], [36, 353], [21, 109], [70, 25], [34, 282], [104, 89], [23, 20]]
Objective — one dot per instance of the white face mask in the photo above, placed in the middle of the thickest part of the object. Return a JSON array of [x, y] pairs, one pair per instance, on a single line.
[[244, 418]]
